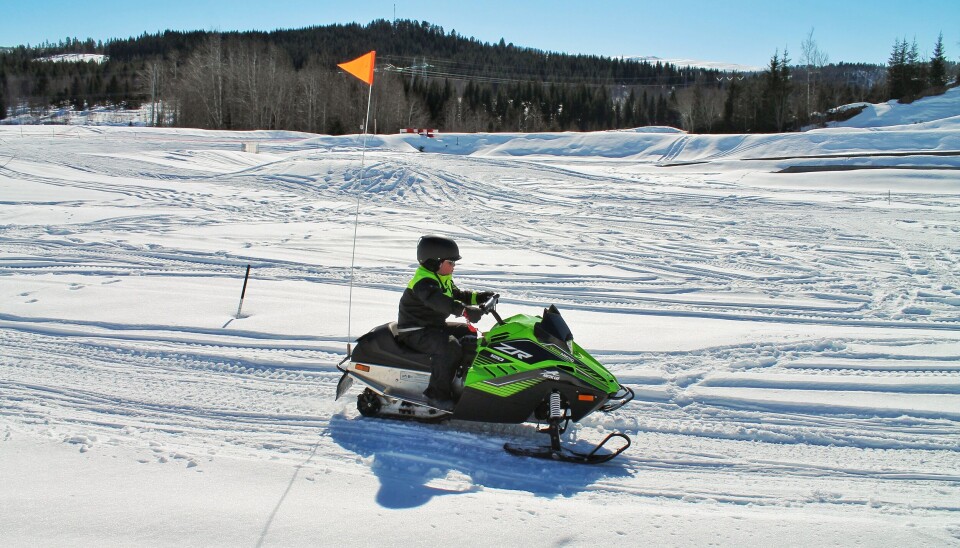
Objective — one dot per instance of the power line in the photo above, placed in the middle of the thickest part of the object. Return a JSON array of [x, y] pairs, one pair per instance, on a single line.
[[438, 68]]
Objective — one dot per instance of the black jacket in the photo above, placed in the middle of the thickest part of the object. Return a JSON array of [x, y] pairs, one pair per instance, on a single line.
[[430, 299]]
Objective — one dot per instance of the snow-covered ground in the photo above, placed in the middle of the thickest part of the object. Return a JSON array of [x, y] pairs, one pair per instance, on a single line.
[[787, 308]]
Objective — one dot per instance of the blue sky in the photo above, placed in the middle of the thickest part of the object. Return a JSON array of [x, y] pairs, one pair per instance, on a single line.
[[746, 32]]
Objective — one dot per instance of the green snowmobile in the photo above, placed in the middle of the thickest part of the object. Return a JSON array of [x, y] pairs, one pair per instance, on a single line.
[[527, 369]]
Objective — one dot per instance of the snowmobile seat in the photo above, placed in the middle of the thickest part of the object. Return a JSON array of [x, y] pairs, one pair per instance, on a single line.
[[380, 346]]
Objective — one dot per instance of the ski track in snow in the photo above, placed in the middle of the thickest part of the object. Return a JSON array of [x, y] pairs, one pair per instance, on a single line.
[[866, 416]]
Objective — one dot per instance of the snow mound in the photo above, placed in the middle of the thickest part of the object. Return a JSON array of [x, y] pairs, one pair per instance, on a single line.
[[942, 110]]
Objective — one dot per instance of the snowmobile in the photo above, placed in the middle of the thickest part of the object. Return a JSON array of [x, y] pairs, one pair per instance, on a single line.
[[527, 369]]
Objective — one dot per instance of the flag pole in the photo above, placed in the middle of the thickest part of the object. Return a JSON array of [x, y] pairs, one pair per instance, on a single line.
[[356, 220]]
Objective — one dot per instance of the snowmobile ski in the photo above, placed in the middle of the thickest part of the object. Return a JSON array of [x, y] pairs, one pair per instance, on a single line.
[[568, 455], [346, 381]]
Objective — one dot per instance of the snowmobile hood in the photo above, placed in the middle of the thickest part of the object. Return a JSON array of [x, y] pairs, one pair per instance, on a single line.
[[566, 355]]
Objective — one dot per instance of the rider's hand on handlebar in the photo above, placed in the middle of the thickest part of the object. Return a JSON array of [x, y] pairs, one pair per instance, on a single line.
[[484, 296], [472, 314]]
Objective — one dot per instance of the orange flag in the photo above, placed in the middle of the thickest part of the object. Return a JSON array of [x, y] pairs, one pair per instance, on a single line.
[[361, 67]]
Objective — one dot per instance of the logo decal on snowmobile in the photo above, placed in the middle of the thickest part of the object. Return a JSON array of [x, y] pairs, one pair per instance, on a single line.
[[562, 353], [552, 375], [507, 349], [508, 388]]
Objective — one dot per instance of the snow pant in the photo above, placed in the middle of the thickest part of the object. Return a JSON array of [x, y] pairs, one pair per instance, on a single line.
[[450, 348]]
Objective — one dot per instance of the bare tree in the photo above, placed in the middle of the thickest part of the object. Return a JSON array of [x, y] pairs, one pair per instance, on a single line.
[[814, 60], [454, 114], [204, 85], [684, 104], [151, 80], [281, 87], [170, 99], [313, 90], [700, 106], [262, 77], [390, 104]]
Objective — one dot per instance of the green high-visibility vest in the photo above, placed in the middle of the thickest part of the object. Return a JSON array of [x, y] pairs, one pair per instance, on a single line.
[[446, 283]]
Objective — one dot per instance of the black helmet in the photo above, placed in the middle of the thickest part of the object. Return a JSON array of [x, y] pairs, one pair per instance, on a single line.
[[437, 248]]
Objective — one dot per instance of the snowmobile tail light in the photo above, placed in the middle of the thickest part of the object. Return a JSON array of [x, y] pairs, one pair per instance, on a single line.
[[586, 397], [361, 367]]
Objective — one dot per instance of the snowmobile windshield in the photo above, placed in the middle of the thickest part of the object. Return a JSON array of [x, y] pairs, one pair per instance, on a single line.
[[553, 329]]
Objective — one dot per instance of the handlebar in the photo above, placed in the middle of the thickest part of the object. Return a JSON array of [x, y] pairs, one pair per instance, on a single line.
[[490, 307], [491, 303]]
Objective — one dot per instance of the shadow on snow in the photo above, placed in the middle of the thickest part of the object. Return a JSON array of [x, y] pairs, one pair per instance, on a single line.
[[416, 462]]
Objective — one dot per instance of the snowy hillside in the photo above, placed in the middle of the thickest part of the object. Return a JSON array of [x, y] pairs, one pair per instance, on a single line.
[[787, 308], [76, 58], [936, 111]]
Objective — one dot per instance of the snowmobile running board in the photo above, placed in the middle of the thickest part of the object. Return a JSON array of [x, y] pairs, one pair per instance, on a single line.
[[568, 455]]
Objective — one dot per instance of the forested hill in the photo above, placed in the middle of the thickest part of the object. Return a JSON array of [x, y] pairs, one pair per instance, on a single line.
[[409, 40], [426, 77]]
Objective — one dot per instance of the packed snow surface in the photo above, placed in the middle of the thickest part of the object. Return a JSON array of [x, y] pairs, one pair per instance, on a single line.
[[786, 307]]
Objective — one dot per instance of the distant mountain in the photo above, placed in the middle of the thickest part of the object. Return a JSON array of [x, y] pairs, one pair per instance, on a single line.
[[680, 62]]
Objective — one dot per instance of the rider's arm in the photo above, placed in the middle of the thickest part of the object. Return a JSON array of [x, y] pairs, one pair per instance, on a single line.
[[466, 297], [430, 293]]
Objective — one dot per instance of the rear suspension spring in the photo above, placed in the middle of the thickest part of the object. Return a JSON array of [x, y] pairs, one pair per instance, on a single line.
[[556, 411]]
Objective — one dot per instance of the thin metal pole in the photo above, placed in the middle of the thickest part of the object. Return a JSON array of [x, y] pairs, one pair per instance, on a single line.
[[356, 221], [244, 291]]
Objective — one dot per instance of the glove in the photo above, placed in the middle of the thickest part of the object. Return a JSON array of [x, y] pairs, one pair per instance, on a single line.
[[472, 314], [484, 296]]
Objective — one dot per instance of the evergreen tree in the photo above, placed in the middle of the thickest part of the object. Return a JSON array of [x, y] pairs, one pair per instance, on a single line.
[[630, 111], [75, 96], [938, 65], [776, 92], [918, 71], [3, 94], [734, 92], [898, 71], [113, 92]]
